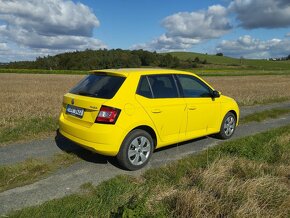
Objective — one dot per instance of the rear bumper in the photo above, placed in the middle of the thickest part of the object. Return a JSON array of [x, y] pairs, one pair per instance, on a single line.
[[104, 139]]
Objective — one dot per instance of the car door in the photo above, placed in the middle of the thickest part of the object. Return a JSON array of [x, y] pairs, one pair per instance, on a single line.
[[202, 109], [159, 96]]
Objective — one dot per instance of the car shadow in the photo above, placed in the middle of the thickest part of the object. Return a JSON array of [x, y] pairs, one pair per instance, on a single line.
[[70, 147], [180, 144]]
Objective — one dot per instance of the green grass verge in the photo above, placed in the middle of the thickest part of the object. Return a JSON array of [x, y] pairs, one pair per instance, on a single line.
[[27, 128], [248, 177], [32, 170], [260, 116]]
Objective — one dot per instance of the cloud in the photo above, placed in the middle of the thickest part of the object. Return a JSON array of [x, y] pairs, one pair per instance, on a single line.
[[50, 25], [250, 47], [261, 13], [165, 43], [287, 35], [198, 25], [3, 46], [185, 29]]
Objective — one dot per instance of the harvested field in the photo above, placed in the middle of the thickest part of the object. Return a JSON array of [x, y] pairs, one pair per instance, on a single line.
[[32, 95], [35, 95], [30, 103], [250, 90]]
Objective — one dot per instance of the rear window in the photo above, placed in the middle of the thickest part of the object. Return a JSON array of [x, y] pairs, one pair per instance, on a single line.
[[99, 86]]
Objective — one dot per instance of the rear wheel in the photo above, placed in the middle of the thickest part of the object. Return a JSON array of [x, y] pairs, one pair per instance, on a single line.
[[228, 126], [136, 150]]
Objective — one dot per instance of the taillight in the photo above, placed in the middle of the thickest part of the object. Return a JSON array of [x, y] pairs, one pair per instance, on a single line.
[[108, 115]]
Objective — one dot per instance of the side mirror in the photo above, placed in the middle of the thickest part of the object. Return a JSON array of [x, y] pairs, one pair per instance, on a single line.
[[215, 94]]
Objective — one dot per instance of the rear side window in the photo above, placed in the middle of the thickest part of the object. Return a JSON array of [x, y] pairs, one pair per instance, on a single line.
[[163, 86], [144, 88], [99, 86]]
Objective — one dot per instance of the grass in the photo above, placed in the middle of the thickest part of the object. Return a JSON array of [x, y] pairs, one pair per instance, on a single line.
[[28, 128], [30, 103], [253, 90], [260, 116], [223, 62], [32, 170], [248, 177]]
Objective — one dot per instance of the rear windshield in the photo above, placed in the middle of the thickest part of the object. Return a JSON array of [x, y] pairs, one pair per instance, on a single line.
[[99, 86]]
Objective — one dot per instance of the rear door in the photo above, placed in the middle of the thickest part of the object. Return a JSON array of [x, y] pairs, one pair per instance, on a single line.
[[202, 110], [159, 96]]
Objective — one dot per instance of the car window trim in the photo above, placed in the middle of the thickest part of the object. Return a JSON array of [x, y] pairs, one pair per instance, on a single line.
[[169, 74], [139, 86], [198, 80], [150, 87]]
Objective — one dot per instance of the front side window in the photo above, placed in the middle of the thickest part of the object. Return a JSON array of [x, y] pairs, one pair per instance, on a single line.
[[192, 87], [163, 86], [99, 86]]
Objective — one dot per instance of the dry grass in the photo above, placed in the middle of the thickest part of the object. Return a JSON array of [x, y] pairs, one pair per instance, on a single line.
[[35, 95], [25, 95], [249, 90], [27, 99], [236, 187]]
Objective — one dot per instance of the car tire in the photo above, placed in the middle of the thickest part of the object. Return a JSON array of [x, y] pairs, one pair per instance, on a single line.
[[135, 150], [228, 126]]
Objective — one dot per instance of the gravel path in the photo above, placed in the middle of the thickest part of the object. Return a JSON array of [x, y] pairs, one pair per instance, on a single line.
[[96, 168]]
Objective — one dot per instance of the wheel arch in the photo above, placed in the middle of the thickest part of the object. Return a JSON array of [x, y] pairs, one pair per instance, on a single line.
[[150, 131], [235, 114]]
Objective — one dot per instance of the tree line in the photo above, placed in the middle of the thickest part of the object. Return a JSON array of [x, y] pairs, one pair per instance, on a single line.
[[105, 59]]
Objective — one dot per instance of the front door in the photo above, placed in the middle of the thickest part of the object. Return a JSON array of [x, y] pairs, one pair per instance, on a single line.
[[202, 110]]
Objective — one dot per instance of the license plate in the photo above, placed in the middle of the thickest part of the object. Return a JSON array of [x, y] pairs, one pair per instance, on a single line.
[[75, 111]]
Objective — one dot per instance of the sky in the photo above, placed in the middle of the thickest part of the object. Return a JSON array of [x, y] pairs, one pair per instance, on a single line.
[[237, 28]]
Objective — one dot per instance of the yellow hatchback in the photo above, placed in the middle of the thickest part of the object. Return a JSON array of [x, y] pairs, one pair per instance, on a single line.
[[128, 113]]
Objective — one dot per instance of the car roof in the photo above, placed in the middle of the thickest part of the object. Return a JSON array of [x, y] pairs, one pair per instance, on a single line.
[[141, 71]]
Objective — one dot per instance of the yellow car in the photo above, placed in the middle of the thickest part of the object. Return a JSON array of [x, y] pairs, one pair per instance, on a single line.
[[128, 113]]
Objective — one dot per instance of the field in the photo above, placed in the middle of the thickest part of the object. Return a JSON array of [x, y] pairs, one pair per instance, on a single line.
[[31, 102], [228, 62]]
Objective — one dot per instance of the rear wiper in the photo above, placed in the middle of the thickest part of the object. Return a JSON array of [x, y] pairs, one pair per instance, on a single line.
[[87, 94]]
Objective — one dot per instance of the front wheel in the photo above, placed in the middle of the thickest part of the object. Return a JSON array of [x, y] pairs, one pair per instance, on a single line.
[[135, 150], [228, 126]]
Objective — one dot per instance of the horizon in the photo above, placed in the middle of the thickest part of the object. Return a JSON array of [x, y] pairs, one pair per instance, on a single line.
[[252, 29]]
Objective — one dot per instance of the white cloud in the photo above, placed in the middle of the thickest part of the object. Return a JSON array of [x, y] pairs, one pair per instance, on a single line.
[[50, 25], [165, 43], [261, 13], [198, 25], [3, 46], [287, 35], [185, 29], [250, 47]]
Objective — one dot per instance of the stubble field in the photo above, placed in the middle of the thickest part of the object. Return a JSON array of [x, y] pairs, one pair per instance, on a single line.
[[33, 101]]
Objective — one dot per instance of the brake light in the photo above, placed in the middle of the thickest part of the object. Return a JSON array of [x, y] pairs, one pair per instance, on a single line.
[[108, 115]]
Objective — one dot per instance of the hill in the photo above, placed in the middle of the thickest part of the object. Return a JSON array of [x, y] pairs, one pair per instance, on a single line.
[[219, 62]]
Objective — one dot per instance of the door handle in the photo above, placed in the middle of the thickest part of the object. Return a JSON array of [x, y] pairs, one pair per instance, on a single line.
[[191, 108], [156, 111]]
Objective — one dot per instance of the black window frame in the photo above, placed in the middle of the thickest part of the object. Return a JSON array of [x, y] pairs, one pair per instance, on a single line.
[[150, 85], [139, 87], [196, 79]]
